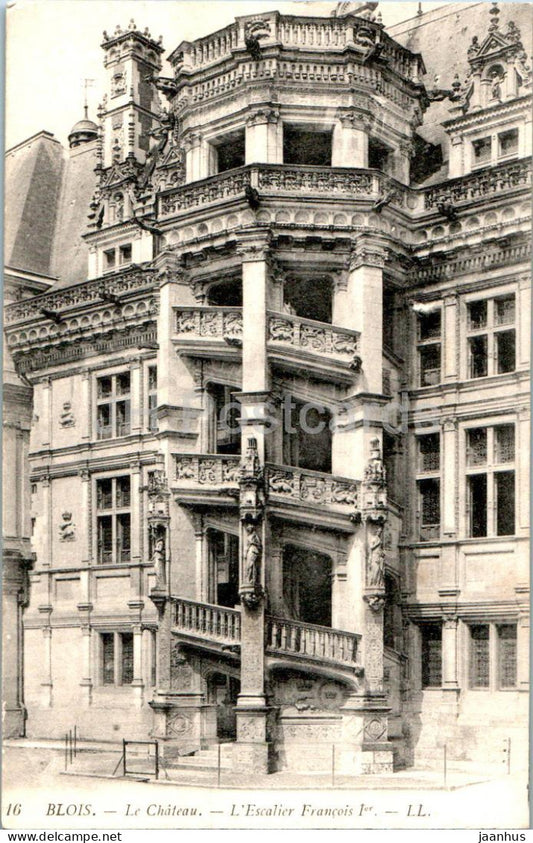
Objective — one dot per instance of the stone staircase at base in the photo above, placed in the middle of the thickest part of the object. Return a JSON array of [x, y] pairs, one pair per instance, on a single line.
[[207, 759]]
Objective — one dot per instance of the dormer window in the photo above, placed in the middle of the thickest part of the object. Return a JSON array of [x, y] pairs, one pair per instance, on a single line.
[[482, 150], [120, 256], [508, 143]]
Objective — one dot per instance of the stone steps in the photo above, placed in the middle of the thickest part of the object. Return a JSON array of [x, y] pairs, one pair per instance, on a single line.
[[207, 759]]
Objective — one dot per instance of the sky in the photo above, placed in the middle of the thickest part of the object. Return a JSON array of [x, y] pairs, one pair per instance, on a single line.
[[53, 45]]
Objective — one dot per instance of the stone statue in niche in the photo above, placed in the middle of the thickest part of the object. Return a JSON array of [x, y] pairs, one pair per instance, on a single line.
[[376, 557], [158, 561], [67, 529], [66, 419], [496, 85], [252, 558]]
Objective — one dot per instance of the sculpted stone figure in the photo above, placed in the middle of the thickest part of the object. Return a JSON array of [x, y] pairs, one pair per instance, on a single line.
[[252, 558], [375, 558], [158, 559]]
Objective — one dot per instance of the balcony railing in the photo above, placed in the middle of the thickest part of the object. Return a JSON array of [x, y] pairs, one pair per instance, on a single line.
[[211, 470], [478, 185], [310, 336], [312, 641], [209, 323], [299, 485], [205, 620], [290, 180], [284, 636]]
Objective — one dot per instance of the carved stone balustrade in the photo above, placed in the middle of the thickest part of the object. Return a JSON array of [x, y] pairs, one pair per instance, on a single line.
[[208, 331], [313, 496], [206, 478], [294, 33], [512, 175], [313, 345], [212, 626], [207, 621], [310, 641], [336, 183]]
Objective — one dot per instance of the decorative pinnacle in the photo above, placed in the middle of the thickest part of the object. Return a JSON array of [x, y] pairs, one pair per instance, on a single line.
[[494, 12]]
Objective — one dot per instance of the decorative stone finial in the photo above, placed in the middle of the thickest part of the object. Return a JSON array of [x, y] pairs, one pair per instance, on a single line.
[[494, 13]]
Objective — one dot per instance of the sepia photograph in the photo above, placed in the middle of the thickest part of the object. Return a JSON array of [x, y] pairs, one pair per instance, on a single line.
[[266, 414]]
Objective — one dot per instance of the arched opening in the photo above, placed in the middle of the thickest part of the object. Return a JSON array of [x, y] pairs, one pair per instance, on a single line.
[[222, 691], [227, 293], [307, 577], [223, 549], [310, 298]]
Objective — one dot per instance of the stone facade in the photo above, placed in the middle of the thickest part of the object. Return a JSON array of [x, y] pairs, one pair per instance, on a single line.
[[278, 451]]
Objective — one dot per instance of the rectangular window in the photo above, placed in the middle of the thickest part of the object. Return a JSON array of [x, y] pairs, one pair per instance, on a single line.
[[477, 501], [109, 259], [431, 655], [113, 520], [477, 315], [505, 503], [108, 658], [508, 143], [479, 656], [125, 253], [429, 325], [116, 658], [478, 354], [504, 443], [482, 150], [507, 655], [126, 664], [429, 496], [504, 313], [476, 448], [493, 351], [429, 365], [429, 453], [491, 494], [113, 406], [505, 351]]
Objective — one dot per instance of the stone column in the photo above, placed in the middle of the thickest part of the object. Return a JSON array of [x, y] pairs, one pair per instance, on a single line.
[[262, 128], [450, 344], [86, 682], [46, 409], [202, 558], [449, 479], [47, 679], [350, 139], [251, 749], [450, 680], [138, 680], [192, 143], [46, 533], [364, 308], [86, 406], [135, 520]]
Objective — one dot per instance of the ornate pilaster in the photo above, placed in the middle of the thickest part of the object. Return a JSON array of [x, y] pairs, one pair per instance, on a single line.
[[158, 528], [251, 750]]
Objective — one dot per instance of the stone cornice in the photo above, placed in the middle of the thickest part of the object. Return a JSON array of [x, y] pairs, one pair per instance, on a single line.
[[476, 119]]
